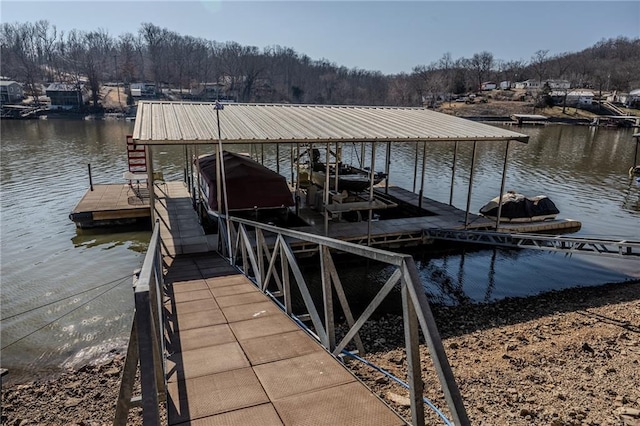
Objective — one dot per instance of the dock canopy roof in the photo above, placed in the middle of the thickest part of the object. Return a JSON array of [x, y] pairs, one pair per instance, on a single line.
[[166, 123]]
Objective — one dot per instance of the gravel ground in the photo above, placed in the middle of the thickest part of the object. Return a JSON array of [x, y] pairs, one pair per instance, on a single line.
[[562, 358]]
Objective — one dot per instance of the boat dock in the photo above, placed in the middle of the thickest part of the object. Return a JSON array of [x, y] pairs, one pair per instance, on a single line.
[[234, 356], [521, 119], [112, 204], [411, 231]]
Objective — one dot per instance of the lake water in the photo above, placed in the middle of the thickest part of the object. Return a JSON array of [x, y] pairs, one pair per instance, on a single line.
[[66, 294]]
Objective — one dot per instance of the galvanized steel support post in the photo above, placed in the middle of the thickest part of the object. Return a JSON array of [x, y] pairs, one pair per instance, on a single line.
[[412, 345], [504, 178], [453, 172], [424, 164], [152, 195], [371, 176], [387, 168], [327, 298], [150, 414], [123, 404], [434, 344], [473, 166]]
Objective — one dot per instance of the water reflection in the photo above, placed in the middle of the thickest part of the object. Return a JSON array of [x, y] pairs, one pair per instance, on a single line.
[[132, 237]]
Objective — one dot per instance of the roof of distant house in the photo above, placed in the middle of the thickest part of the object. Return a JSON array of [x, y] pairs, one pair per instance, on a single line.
[[7, 82], [62, 87]]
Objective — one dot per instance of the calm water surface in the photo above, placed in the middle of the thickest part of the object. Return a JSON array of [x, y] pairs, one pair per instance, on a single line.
[[66, 294]]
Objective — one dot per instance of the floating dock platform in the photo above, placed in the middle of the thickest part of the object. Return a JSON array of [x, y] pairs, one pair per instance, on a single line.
[[112, 205]]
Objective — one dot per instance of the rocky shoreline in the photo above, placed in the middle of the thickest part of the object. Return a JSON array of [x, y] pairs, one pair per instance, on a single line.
[[569, 357]]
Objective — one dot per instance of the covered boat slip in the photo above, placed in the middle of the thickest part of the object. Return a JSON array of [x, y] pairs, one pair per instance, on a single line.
[[192, 124]]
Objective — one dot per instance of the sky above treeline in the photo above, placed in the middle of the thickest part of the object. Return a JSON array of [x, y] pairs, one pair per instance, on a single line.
[[387, 36]]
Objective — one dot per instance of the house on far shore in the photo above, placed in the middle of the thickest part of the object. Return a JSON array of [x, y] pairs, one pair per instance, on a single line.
[[537, 84], [558, 84], [488, 85], [143, 90], [580, 97], [65, 96], [575, 98], [10, 92]]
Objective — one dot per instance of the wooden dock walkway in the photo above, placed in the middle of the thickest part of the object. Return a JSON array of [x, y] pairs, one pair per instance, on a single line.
[[235, 357]]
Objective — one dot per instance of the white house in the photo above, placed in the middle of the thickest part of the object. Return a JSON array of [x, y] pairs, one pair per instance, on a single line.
[[504, 85], [633, 98], [528, 84], [580, 97], [532, 84], [488, 85]]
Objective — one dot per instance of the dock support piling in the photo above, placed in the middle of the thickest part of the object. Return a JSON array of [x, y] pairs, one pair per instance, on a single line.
[[424, 164], [504, 177], [90, 178], [473, 166], [387, 168], [371, 174], [453, 172]]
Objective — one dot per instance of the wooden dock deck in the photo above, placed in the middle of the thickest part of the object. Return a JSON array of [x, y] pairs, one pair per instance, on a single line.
[[235, 357], [112, 204]]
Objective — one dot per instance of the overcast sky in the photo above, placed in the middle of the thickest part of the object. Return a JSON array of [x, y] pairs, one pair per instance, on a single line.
[[387, 36]]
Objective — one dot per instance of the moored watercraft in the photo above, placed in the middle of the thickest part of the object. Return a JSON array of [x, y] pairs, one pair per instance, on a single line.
[[519, 208], [252, 189]]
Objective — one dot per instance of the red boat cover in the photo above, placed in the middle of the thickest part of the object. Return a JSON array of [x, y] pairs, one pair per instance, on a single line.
[[250, 185]]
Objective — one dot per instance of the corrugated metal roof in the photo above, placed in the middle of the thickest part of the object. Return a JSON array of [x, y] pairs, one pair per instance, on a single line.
[[163, 123]]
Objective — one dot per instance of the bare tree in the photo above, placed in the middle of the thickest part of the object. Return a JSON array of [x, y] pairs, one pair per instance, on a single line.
[[540, 62], [481, 64]]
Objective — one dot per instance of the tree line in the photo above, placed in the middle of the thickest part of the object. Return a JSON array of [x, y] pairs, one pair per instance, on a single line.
[[36, 53]]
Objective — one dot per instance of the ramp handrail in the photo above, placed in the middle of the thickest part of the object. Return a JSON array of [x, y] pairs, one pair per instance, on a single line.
[[610, 247], [146, 342], [272, 266]]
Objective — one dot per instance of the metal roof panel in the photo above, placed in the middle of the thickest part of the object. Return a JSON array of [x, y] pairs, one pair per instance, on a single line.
[[160, 123]]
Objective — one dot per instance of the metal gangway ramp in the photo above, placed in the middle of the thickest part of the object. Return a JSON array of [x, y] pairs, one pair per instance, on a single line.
[[217, 340], [611, 247]]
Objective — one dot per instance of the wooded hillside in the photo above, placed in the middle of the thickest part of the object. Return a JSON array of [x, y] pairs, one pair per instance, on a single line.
[[37, 53]]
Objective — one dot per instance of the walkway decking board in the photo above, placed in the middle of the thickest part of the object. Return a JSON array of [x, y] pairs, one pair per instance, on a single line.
[[234, 357]]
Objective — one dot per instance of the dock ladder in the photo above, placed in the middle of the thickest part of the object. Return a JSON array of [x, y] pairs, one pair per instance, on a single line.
[[136, 156]]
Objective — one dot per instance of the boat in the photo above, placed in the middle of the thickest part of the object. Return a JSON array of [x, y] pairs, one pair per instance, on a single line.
[[519, 208], [350, 178], [253, 190]]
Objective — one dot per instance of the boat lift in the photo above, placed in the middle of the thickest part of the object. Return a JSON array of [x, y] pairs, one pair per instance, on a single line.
[[558, 243]]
